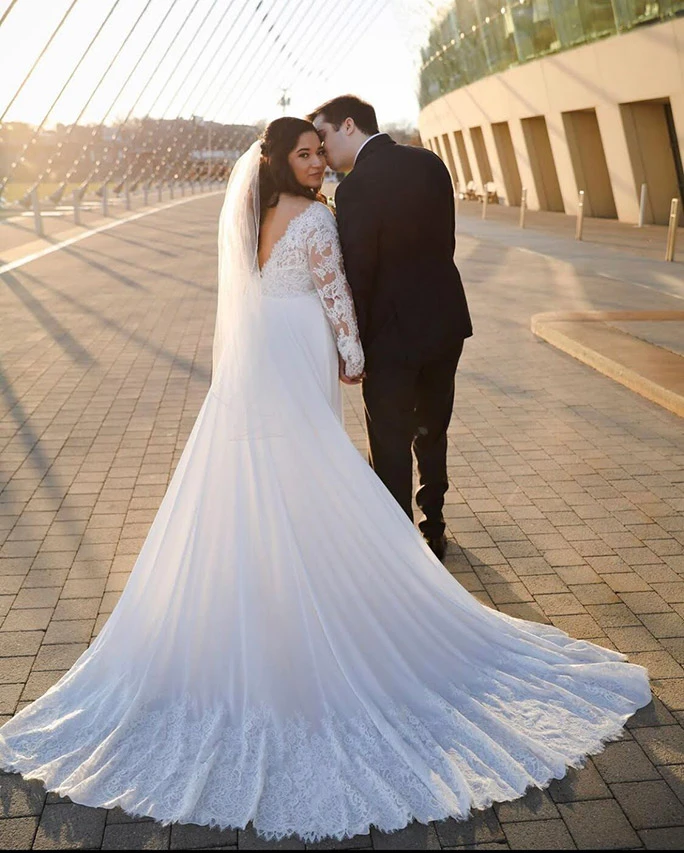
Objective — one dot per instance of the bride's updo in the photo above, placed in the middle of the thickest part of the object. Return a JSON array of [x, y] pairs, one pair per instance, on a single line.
[[275, 173]]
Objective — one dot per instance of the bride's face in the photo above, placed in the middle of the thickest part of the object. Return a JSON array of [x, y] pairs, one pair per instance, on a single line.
[[307, 161]]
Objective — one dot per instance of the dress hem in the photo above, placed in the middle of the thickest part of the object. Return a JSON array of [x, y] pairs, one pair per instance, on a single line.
[[615, 733]]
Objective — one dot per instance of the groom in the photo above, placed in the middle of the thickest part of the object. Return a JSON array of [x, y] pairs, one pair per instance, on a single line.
[[395, 213]]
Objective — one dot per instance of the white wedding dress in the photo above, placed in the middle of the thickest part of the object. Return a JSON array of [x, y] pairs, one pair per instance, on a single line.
[[287, 649]]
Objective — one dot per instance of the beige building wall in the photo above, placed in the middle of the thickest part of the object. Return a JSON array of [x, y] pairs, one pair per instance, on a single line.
[[591, 118]]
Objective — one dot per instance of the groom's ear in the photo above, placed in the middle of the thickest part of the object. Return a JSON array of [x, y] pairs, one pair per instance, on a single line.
[[349, 126]]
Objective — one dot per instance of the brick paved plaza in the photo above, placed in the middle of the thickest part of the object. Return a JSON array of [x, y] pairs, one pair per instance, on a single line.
[[567, 501]]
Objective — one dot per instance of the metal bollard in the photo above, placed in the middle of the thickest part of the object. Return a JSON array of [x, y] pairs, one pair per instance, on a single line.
[[642, 204], [171, 190], [105, 199], [146, 189], [580, 216], [127, 196], [159, 191], [485, 202], [77, 207], [523, 207], [672, 230], [37, 218], [192, 188], [182, 189]]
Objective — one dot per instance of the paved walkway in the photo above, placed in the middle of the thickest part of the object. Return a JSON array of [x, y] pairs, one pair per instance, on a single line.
[[17, 227], [566, 504], [649, 241], [642, 348]]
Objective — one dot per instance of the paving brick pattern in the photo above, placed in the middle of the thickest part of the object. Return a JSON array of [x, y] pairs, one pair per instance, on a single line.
[[566, 506]]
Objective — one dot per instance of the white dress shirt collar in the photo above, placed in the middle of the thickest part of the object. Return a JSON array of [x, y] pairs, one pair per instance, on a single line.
[[365, 142]]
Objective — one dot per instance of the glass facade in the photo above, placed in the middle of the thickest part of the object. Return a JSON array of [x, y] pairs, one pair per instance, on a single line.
[[474, 38]]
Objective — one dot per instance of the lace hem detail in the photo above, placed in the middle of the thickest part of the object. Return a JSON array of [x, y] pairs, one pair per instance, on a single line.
[[333, 778]]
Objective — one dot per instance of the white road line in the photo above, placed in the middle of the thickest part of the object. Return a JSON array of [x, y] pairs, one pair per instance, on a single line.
[[533, 252], [641, 284], [20, 262]]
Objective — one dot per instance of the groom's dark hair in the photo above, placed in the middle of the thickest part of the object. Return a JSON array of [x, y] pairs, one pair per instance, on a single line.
[[337, 110]]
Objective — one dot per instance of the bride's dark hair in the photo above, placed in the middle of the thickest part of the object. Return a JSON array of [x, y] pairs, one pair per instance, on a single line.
[[275, 174]]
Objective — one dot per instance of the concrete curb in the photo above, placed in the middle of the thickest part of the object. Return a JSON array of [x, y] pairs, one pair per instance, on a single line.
[[647, 369]]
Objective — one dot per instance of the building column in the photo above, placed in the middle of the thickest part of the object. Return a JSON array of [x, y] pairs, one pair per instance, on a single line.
[[495, 162], [626, 187], [437, 148], [523, 158], [474, 163], [457, 160], [564, 167], [677, 104]]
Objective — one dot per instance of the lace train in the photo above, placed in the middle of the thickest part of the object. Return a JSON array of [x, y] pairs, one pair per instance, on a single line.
[[176, 761]]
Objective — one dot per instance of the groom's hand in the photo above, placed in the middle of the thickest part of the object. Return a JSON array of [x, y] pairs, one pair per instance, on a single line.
[[356, 380]]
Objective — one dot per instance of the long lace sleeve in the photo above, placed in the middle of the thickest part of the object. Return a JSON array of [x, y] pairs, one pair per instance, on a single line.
[[327, 272]]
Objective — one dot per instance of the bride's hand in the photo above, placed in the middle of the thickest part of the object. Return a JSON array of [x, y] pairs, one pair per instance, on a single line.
[[348, 380]]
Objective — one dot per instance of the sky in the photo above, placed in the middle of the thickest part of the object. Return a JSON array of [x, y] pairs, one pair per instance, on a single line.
[[226, 60]]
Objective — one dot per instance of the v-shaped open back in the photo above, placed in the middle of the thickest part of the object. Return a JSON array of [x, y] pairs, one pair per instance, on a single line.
[[283, 235]]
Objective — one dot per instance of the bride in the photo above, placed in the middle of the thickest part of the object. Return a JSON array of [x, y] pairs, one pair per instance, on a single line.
[[288, 650]]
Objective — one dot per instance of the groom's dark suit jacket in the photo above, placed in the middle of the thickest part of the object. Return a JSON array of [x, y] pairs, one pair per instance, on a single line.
[[395, 213]]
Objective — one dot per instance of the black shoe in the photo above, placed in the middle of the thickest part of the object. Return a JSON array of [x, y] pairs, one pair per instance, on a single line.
[[438, 545]]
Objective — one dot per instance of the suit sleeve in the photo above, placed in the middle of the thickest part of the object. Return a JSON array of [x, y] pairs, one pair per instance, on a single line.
[[358, 226], [449, 190]]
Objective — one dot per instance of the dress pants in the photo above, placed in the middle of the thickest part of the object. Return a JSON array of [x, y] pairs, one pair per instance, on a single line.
[[410, 407]]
